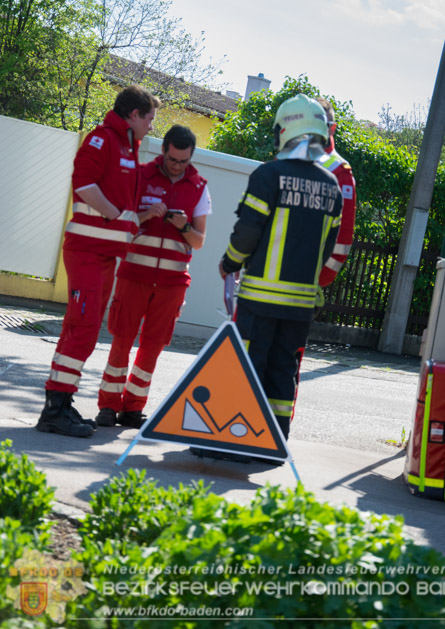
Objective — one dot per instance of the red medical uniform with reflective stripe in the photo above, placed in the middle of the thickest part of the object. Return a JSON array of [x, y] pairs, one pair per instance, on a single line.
[[342, 170], [159, 254], [108, 158], [151, 287]]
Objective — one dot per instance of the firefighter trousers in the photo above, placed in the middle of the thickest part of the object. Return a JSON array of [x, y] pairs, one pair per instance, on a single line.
[[276, 348], [158, 307], [90, 281]]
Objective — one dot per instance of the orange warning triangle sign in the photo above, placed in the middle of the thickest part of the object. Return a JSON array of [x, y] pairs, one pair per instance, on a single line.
[[219, 404]]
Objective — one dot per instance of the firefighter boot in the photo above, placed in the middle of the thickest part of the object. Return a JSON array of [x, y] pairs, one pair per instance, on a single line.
[[106, 417], [58, 416], [131, 419], [89, 422]]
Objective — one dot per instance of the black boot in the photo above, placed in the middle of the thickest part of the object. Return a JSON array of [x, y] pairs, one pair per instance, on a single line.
[[58, 416], [106, 417], [89, 422], [131, 419]]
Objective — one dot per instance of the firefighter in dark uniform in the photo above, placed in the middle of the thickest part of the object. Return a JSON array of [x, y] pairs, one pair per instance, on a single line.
[[288, 220]]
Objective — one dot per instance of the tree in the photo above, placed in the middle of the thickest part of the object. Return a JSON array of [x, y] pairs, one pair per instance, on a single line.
[[406, 130], [248, 131], [56, 55], [24, 30]]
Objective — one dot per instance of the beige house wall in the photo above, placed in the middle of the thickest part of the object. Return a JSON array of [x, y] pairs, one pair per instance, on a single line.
[[200, 125]]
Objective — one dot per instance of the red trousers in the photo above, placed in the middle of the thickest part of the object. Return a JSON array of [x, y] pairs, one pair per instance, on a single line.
[[158, 307], [90, 281]]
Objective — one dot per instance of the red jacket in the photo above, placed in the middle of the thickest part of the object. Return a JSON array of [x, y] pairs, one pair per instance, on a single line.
[[342, 170], [108, 159], [159, 254]]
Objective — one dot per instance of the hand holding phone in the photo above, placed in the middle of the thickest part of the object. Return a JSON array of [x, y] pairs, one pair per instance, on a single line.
[[171, 213]]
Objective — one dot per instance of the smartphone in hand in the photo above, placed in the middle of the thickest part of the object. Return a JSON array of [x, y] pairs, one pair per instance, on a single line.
[[171, 213]]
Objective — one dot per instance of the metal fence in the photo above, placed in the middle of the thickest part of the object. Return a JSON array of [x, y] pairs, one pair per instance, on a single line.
[[359, 295]]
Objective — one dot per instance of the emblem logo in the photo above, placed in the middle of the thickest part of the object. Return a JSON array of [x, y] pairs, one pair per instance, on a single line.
[[33, 597], [347, 192], [96, 142]]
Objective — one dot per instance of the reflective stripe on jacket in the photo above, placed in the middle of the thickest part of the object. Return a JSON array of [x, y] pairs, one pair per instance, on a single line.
[[159, 254], [107, 158], [338, 166], [288, 222]]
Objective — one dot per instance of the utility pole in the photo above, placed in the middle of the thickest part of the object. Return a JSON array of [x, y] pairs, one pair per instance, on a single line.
[[411, 243]]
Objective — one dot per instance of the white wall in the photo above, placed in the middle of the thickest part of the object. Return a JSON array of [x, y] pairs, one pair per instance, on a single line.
[[35, 178], [227, 179]]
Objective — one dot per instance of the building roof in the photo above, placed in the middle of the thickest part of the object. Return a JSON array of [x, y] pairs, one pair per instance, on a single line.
[[199, 99]]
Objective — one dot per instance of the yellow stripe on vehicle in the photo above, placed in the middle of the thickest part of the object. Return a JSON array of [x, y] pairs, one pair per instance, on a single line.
[[428, 482], [426, 417]]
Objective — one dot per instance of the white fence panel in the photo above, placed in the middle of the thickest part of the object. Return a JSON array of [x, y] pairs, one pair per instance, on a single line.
[[35, 177], [227, 177]]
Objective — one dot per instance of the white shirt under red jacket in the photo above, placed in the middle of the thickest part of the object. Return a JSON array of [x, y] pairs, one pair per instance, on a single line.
[[108, 158], [159, 254], [337, 165]]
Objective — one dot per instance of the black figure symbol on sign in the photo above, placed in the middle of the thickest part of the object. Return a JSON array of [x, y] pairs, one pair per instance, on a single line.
[[194, 421]]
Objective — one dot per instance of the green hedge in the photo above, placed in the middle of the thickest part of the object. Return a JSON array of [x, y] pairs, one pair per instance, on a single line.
[[133, 508], [249, 557], [158, 557], [24, 493], [25, 503]]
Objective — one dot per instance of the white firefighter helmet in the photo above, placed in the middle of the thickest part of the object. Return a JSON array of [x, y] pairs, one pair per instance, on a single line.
[[300, 116]]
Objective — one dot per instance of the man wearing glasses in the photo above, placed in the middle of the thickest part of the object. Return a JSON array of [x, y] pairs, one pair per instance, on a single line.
[[153, 278]]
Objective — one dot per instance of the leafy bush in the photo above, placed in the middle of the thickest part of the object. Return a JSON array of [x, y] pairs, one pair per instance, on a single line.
[[24, 494], [130, 507], [285, 556], [14, 541], [25, 501], [23, 623]]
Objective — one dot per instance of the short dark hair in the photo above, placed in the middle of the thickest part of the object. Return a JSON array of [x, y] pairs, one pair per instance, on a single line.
[[327, 106], [181, 138], [135, 97]]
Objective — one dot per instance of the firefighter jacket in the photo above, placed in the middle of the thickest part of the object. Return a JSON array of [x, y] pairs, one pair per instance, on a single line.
[[288, 222], [159, 254], [342, 170], [108, 157]]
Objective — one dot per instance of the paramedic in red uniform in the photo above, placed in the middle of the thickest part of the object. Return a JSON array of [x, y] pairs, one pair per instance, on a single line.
[[287, 225], [104, 222], [154, 276], [338, 166]]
